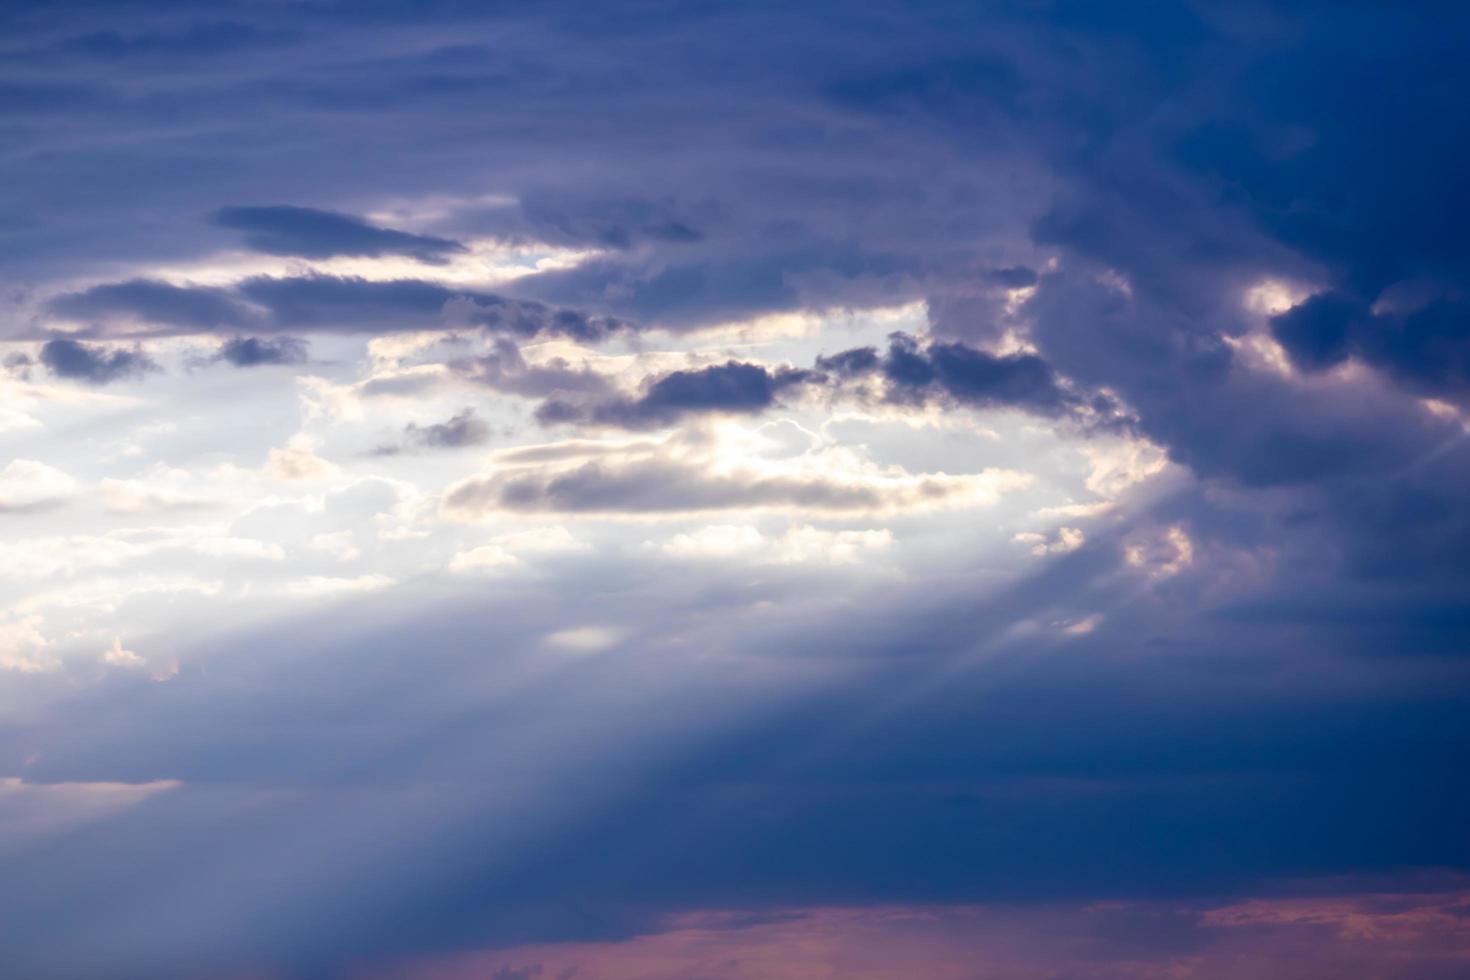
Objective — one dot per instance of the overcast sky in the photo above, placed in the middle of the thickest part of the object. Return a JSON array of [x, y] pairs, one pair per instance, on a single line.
[[651, 491]]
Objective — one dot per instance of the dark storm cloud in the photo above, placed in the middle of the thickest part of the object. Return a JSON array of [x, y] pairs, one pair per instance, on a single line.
[[460, 430], [257, 351], [1290, 146], [313, 234], [94, 363], [1225, 420], [1427, 350], [1321, 332]]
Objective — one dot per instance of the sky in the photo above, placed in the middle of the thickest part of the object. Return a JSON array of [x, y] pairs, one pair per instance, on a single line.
[[698, 491]]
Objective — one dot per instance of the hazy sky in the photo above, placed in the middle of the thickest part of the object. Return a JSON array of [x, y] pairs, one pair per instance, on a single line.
[[682, 491]]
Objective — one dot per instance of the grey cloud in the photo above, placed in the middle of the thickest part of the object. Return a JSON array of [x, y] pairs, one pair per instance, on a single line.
[[1212, 413], [556, 218], [1013, 277], [460, 430], [684, 292], [653, 485], [94, 363], [17, 363], [954, 370], [650, 487], [257, 351], [193, 308], [914, 373], [732, 388], [315, 234], [504, 369], [346, 304]]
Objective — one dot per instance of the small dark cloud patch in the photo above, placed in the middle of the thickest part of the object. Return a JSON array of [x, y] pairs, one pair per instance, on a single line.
[[732, 388], [850, 363], [1319, 333], [260, 351], [93, 363], [460, 430], [312, 234], [968, 375]]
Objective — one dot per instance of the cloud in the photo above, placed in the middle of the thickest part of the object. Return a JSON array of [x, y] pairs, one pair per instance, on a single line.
[[1066, 539], [732, 388], [635, 483], [298, 463], [23, 647], [1426, 349], [460, 430], [318, 302], [145, 301], [141, 496], [257, 351], [93, 363], [18, 364], [957, 372], [911, 372], [1192, 397], [119, 656], [314, 234], [28, 484], [505, 369], [581, 219]]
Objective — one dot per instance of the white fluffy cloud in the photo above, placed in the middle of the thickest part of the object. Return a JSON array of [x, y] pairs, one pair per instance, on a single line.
[[29, 483]]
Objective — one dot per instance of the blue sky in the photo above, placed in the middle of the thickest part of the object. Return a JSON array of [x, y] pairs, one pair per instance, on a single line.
[[734, 491]]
